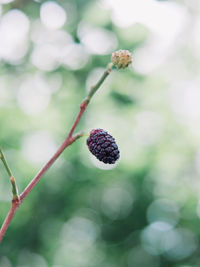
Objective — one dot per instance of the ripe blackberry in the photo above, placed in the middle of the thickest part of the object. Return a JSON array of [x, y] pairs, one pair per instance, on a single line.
[[102, 145]]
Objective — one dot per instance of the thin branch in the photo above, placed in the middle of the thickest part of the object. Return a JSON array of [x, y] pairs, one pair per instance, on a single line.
[[2, 157], [12, 179], [8, 219], [67, 142], [101, 80]]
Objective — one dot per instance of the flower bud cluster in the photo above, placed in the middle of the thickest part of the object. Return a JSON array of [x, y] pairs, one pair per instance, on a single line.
[[121, 59]]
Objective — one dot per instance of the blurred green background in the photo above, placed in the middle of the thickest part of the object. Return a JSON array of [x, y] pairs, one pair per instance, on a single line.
[[143, 211]]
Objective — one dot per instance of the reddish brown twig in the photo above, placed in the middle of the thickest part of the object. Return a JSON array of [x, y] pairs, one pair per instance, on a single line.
[[67, 142], [8, 219]]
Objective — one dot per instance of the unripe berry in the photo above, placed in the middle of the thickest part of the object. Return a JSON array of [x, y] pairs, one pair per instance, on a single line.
[[121, 59], [102, 145]]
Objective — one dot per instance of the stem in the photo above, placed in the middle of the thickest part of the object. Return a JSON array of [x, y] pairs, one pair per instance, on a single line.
[[67, 142], [8, 219], [99, 83], [12, 179], [2, 157], [14, 189]]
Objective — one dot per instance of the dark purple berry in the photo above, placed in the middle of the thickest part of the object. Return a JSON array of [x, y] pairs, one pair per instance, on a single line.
[[102, 145]]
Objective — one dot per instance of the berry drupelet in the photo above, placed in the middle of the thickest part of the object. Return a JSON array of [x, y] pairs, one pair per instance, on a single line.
[[102, 145]]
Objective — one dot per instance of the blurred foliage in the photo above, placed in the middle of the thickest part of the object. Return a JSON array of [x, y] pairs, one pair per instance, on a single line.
[[145, 210]]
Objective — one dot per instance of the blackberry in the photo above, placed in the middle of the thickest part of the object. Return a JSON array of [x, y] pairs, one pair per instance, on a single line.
[[102, 145]]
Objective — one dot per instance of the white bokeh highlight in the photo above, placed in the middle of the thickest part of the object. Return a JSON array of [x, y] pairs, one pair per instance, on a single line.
[[33, 95], [184, 99], [51, 48], [41, 35], [38, 147], [154, 15], [14, 29], [6, 1], [45, 57], [74, 56], [97, 40], [52, 15], [148, 127]]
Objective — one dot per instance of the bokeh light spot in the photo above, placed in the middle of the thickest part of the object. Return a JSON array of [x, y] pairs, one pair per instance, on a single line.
[[45, 57], [163, 210], [34, 95], [6, 1], [74, 56], [179, 244], [14, 27], [79, 233], [116, 202], [38, 147], [152, 237], [97, 40], [52, 15]]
